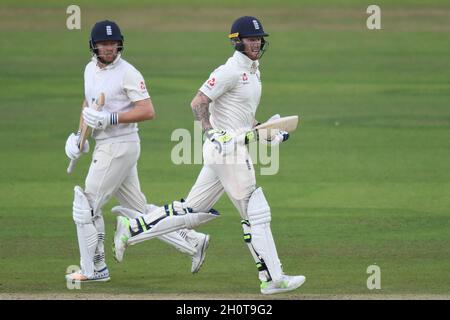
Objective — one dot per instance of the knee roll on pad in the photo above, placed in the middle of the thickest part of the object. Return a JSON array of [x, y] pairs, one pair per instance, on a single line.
[[258, 209], [82, 211]]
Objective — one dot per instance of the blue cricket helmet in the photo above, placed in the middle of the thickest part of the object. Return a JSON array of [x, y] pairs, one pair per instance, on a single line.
[[246, 27], [105, 31]]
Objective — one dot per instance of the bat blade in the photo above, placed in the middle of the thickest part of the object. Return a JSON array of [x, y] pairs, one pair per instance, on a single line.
[[71, 166], [266, 130]]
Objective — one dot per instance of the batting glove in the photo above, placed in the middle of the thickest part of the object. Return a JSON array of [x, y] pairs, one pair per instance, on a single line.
[[99, 120], [276, 139], [253, 135], [223, 141], [72, 150]]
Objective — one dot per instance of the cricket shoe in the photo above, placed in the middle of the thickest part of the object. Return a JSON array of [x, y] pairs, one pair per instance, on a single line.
[[284, 284], [199, 257], [121, 237], [100, 275]]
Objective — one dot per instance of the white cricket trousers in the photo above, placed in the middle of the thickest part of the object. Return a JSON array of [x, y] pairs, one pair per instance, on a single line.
[[113, 172], [233, 174]]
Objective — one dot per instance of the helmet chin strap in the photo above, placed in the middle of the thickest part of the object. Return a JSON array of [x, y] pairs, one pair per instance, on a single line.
[[263, 49]]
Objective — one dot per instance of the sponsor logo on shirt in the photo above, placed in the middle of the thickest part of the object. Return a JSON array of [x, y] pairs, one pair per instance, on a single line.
[[211, 82], [244, 78]]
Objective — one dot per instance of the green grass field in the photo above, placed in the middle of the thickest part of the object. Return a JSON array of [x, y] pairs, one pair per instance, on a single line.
[[365, 180]]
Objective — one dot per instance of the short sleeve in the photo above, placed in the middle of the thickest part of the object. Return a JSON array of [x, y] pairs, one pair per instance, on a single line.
[[134, 85], [219, 82]]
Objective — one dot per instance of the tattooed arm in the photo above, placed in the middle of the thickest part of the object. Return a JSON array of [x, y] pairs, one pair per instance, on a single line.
[[200, 108]]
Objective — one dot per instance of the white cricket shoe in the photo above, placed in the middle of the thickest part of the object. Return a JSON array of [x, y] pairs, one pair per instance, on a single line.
[[100, 275], [284, 284], [121, 237], [199, 257]]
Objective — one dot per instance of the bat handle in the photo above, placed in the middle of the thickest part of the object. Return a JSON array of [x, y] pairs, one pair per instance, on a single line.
[[71, 166]]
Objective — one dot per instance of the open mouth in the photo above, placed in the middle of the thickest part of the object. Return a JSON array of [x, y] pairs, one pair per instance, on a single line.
[[255, 49]]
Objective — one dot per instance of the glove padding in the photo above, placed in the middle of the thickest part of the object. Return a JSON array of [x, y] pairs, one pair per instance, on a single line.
[[72, 150], [99, 120], [222, 140]]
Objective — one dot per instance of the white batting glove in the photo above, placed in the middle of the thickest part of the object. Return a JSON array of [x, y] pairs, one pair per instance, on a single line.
[[276, 139], [99, 120], [72, 150], [223, 141]]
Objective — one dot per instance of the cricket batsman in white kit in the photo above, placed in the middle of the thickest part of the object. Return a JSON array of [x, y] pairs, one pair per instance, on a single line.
[[113, 170], [226, 105]]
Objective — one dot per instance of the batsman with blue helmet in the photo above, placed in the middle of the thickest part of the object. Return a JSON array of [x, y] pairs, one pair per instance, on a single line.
[[225, 105], [113, 170]]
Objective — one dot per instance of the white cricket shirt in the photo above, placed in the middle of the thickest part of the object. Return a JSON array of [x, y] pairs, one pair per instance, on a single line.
[[122, 85], [235, 91]]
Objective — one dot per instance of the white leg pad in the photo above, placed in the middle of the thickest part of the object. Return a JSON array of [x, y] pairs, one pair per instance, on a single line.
[[86, 231], [175, 238], [99, 258], [263, 273], [172, 223], [177, 241], [172, 238], [259, 217]]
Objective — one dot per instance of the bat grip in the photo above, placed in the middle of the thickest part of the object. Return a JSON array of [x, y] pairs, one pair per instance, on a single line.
[[71, 166]]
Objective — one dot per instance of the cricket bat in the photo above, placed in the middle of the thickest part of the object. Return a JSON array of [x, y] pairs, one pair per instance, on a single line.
[[288, 124], [85, 129]]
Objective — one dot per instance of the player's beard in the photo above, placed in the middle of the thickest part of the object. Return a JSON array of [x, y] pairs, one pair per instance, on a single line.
[[107, 57], [253, 51]]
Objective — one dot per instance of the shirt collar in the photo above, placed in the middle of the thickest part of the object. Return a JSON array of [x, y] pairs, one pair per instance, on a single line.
[[109, 66], [246, 62]]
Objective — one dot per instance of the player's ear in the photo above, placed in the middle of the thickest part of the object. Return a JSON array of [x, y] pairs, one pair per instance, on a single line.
[[238, 44]]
